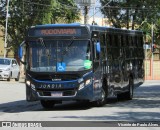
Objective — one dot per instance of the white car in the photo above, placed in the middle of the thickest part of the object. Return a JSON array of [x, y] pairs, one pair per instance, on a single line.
[[9, 68]]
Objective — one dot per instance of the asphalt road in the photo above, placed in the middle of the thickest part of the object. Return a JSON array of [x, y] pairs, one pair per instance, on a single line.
[[145, 106]]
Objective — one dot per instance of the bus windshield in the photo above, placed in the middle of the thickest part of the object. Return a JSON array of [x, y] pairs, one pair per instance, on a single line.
[[59, 55]]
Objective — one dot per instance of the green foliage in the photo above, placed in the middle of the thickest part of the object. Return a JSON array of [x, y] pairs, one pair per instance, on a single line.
[[134, 14], [26, 13], [60, 15]]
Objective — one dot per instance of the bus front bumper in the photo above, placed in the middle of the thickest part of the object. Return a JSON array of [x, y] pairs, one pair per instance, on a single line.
[[86, 93]]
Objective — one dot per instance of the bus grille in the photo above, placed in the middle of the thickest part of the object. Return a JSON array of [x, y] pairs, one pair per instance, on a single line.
[[64, 93]]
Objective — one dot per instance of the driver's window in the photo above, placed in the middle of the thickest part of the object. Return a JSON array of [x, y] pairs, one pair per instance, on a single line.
[[88, 52]]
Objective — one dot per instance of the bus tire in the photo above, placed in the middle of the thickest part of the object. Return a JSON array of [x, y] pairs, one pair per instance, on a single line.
[[102, 101], [47, 104], [129, 94]]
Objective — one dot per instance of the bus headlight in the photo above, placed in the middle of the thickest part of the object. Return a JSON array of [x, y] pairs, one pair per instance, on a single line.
[[88, 82], [33, 86], [30, 84], [81, 86]]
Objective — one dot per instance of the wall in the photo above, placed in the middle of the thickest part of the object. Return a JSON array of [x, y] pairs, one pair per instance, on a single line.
[[1, 43], [10, 52], [152, 70]]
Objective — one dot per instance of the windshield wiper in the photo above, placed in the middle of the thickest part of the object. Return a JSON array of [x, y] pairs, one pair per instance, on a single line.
[[47, 51], [64, 52], [67, 48]]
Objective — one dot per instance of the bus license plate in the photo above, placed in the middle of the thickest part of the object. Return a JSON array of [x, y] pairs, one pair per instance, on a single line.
[[56, 94]]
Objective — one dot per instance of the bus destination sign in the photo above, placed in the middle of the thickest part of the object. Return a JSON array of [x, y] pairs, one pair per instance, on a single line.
[[57, 32]]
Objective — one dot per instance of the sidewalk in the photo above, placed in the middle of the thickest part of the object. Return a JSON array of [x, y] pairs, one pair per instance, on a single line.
[[22, 80], [152, 81]]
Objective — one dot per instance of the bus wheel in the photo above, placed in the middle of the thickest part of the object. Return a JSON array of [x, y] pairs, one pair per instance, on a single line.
[[101, 101], [47, 104], [129, 94]]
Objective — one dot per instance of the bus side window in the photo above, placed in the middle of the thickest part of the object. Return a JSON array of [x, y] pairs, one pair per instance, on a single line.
[[116, 41], [124, 40], [103, 46], [113, 41], [127, 41], [107, 40], [116, 48], [130, 41], [119, 41], [108, 45]]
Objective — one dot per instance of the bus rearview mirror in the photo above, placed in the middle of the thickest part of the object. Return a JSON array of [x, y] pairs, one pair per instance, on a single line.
[[98, 47], [20, 52]]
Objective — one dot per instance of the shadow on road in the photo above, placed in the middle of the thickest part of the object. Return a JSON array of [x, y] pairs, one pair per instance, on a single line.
[[120, 116], [144, 106], [146, 97], [22, 106], [18, 106]]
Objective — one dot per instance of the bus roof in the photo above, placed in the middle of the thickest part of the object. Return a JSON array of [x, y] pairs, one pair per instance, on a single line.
[[90, 27], [82, 25], [59, 25]]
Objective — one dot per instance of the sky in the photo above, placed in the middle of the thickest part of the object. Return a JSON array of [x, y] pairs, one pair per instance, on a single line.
[[98, 14]]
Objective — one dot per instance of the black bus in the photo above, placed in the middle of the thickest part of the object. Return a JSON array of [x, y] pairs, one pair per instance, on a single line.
[[82, 63]]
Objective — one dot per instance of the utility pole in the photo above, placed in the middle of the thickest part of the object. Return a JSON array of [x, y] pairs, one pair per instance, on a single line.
[[85, 4], [93, 22], [5, 42], [86, 14], [152, 44], [94, 8], [127, 19]]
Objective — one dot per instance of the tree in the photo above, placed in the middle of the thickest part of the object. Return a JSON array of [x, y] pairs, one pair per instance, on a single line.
[[123, 12], [66, 12], [26, 13], [134, 14]]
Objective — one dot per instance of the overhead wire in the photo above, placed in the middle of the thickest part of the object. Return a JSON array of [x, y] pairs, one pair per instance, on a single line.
[[106, 7], [71, 7]]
